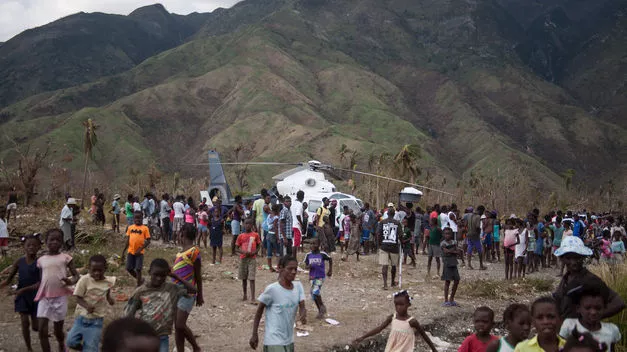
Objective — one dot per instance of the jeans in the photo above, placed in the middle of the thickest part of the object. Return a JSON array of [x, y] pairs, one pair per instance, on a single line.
[[164, 343], [86, 333]]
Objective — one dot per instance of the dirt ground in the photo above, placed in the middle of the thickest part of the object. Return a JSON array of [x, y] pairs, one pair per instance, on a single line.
[[353, 296]]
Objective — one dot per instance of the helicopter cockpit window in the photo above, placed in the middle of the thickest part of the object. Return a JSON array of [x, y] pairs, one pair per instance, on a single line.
[[313, 205], [333, 189]]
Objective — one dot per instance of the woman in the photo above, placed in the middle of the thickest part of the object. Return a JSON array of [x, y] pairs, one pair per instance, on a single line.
[[572, 253], [216, 232]]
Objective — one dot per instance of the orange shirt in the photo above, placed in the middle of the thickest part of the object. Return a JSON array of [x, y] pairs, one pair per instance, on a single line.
[[248, 242], [137, 236]]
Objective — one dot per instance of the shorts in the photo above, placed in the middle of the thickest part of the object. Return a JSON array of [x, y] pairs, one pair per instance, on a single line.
[[25, 303], [4, 242], [235, 227], [247, 269], [476, 244], [202, 228], [297, 236], [275, 348], [12, 206], [521, 260], [316, 288], [134, 262], [450, 273], [186, 303], [53, 308], [129, 220], [272, 247], [435, 250], [164, 343], [387, 258], [507, 251], [85, 334], [365, 236], [178, 224], [488, 240]]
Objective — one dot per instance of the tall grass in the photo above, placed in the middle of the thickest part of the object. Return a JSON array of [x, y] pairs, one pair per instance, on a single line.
[[615, 276]]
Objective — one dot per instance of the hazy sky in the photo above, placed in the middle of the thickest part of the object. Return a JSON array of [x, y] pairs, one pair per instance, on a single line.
[[19, 15]]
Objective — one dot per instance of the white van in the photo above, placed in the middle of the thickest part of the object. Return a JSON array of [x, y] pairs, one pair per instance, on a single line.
[[315, 201]]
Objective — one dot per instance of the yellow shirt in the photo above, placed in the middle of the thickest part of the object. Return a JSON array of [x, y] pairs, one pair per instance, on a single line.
[[322, 212], [532, 345], [95, 293]]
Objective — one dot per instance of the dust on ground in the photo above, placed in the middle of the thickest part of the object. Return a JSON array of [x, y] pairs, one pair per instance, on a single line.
[[353, 296]]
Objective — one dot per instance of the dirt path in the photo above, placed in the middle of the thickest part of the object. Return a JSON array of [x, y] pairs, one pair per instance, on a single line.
[[353, 296]]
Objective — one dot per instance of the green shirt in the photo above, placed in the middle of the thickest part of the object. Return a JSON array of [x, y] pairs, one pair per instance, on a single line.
[[435, 236]]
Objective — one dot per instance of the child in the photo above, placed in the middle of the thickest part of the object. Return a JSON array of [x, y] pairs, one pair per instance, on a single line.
[[272, 243], [435, 238], [53, 289], [521, 250], [203, 223], [128, 210], [406, 243], [281, 298], [137, 239], [353, 238], [449, 272], [517, 321], [510, 241], [496, 244], [27, 284], [248, 245], [582, 342], [130, 335], [545, 319], [399, 339], [216, 233], [606, 244], [157, 299], [618, 247], [345, 231], [115, 210], [187, 266], [92, 294], [314, 262], [531, 249], [478, 342], [4, 234], [590, 305]]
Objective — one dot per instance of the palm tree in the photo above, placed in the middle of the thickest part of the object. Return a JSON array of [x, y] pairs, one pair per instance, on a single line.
[[406, 161], [90, 140]]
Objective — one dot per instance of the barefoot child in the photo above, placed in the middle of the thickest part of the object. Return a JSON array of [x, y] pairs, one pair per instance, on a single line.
[[450, 251], [203, 223], [130, 335], [483, 319], [272, 243], [187, 266], [353, 239], [54, 289], [517, 321], [510, 240], [400, 340], [92, 292], [281, 299], [27, 284], [248, 245], [435, 238], [137, 239], [520, 250], [314, 262], [545, 318], [406, 243], [156, 300]]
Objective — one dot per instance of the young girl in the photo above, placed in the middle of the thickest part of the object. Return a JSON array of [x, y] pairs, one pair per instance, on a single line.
[[510, 240], [28, 281], [496, 245], [582, 342], [590, 303], [606, 250], [272, 243], [54, 289], [203, 223], [545, 319], [618, 247], [406, 243], [531, 249], [521, 250], [187, 267], [353, 238], [517, 321], [400, 339], [216, 232]]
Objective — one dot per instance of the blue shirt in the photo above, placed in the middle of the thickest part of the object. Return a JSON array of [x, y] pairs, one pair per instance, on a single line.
[[116, 207], [578, 229], [281, 305]]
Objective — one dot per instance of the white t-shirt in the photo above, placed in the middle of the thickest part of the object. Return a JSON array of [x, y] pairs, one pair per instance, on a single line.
[[4, 232], [137, 206], [452, 223], [608, 334], [179, 209], [400, 215], [281, 306], [66, 212], [444, 220], [522, 246], [297, 210]]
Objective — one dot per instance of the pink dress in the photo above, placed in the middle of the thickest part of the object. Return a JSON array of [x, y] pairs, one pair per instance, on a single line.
[[53, 269], [402, 336]]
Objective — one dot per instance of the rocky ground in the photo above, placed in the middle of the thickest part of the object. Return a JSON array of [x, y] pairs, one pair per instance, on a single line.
[[353, 295]]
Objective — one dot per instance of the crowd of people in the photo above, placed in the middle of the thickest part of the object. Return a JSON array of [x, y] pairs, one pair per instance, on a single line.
[[569, 320]]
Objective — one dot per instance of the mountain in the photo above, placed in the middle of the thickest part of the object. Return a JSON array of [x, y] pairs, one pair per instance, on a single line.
[[86, 46], [499, 88]]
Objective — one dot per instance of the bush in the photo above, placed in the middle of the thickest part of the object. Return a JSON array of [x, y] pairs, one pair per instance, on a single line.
[[505, 289], [614, 276]]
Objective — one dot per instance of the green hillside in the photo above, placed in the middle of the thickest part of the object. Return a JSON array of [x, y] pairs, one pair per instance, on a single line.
[[294, 80]]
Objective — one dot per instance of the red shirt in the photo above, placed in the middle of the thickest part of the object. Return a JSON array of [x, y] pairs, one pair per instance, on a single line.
[[473, 344], [247, 243]]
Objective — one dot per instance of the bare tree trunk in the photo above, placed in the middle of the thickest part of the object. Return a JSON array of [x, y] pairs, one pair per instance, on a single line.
[[84, 181]]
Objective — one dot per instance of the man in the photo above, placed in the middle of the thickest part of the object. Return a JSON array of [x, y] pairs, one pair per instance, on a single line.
[[474, 236], [297, 221], [387, 237], [321, 213], [179, 217], [286, 226], [579, 228], [164, 215], [258, 214], [367, 224], [65, 222], [333, 218]]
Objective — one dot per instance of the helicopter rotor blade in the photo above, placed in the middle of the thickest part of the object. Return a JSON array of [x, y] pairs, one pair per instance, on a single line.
[[267, 163], [395, 180]]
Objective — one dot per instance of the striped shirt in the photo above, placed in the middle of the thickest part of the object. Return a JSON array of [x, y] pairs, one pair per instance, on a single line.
[[184, 265]]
